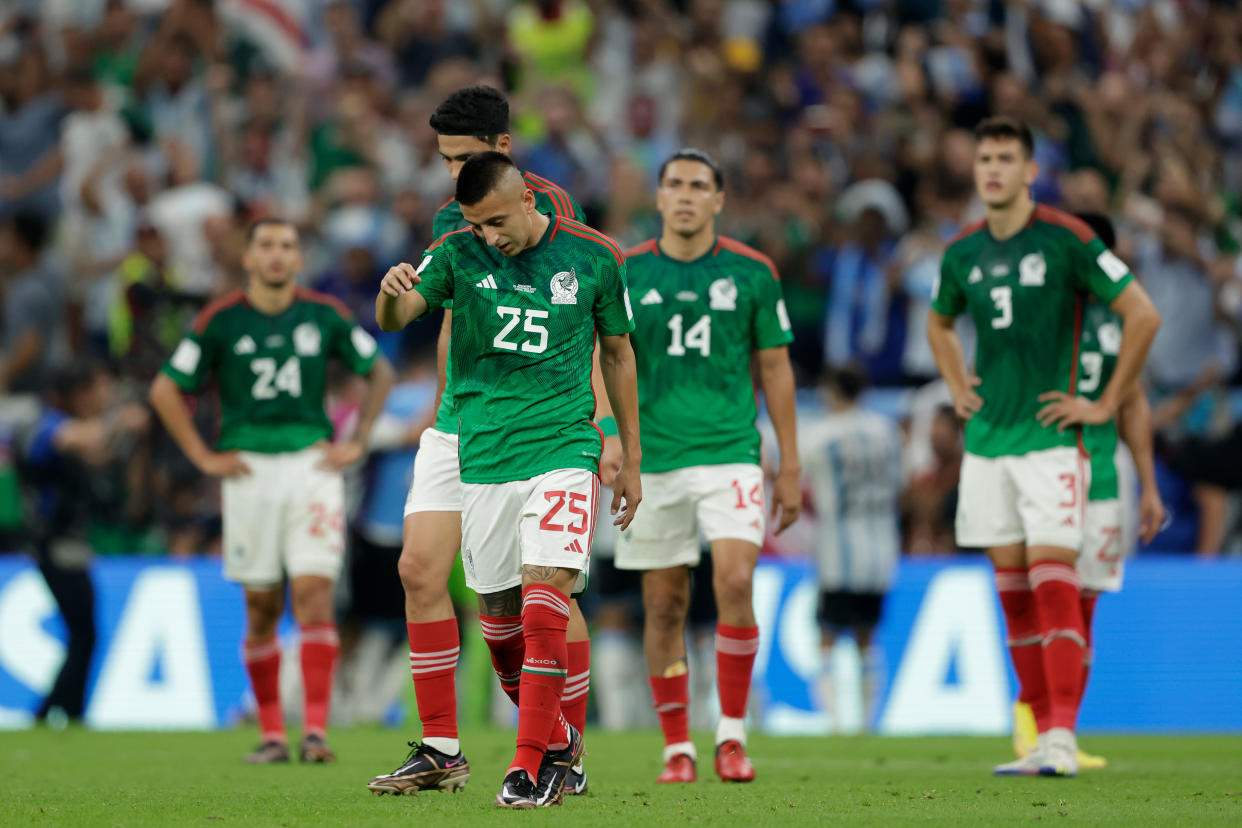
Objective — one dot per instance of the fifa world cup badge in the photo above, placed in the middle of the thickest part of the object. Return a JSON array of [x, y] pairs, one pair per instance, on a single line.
[[565, 288]]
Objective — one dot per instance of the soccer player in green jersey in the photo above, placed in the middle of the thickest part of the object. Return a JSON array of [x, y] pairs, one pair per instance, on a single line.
[[1108, 531], [283, 495], [529, 291], [1022, 274], [468, 122], [705, 305]]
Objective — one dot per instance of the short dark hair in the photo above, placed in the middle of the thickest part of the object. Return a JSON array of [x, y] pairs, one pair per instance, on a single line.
[[1101, 225], [693, 154], [31, 229], [269, 221], [480, 175], [1002, 126], [848, 381], [479, 111]]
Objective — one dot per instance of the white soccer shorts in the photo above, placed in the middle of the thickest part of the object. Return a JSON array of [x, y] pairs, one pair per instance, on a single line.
[[548, 520], [1036, 498], [436, 486], [287, 517], [1101, 563], [724, 501]]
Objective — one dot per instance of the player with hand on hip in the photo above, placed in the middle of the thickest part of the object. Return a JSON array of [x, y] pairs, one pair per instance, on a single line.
[[283, 494], [1022, 274]]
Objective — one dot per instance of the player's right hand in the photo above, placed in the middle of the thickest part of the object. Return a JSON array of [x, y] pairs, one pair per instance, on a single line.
[[399, 279], [968, 403], [627, 487], [223, 464]]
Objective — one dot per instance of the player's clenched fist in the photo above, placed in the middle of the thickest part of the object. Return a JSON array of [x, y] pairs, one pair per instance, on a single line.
[[400, 279]]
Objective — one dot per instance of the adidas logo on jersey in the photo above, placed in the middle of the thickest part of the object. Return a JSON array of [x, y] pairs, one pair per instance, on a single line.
[[245, 345], [487, 284], [651, 297]]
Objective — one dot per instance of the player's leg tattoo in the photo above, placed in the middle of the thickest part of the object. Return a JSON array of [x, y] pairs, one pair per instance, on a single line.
[[499, 604]]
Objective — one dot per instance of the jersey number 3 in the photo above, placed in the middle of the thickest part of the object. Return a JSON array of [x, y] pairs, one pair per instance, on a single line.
[[514, 315], [269, 382]]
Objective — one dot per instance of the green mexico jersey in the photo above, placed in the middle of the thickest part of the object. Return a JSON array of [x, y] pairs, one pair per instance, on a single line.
[[271, 370], [523, 335], [1025, 295], [1101, 343], [549, 199], [696, 325]]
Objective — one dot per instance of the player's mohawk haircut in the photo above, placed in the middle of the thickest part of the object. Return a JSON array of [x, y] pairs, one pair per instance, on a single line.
[[1002, 126], [482, 174], [694, 154], [479, 111]]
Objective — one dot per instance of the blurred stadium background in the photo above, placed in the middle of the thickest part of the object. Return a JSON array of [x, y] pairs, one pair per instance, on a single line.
[[139, 137]]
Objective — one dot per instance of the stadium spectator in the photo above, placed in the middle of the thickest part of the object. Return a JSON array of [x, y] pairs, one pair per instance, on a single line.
[[34, 337]]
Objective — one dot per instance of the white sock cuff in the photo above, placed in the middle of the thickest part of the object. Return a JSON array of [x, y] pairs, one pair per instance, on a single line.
[[443, 744], [680, 747], [731, 730]]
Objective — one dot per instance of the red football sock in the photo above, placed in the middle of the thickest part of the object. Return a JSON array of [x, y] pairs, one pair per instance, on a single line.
[[577, 684], [1060, 622], [434, 648], [672, 704], [735, 658], [1087, 603], [503, 634], [319, 649], [263, 664], [545, 617], [1024, 641]]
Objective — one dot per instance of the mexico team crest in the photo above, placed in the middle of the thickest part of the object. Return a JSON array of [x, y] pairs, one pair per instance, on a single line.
[[722, 294], [306, 339], [565, 288]]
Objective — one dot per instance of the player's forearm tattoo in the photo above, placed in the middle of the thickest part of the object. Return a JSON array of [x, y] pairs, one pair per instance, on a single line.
[[496, 604], [539, 574]]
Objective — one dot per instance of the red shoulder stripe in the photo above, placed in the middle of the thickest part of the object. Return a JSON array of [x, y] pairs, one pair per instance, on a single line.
[[553, 192], [735, 246], [616, 254], [616, 248], [649, 246], [445, 204], [226, 301], [442, 239], [968, 230], [1051, 215], [308, 295]]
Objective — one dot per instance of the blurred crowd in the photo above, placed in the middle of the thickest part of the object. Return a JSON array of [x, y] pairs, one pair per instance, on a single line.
[[139, 137]]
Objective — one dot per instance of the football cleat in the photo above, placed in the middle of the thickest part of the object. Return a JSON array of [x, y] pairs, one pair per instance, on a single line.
[[1059, 760], [1022, 766], [1025, 733], [679, 768], [555, 768], [268, 753], [732, 765], [425, 769], [517, 791], [314, 750], [1087, 761], [576, 782]]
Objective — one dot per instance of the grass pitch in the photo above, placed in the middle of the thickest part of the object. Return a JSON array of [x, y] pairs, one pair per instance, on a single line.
[[85, 778]]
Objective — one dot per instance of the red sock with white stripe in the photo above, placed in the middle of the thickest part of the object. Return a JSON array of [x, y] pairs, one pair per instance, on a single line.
[[1056, 589], [503, 634], [1087, 603], [545, 617], [263, 664], [672, 704], [319, 650], [735, 659], [1024, 641], [577, 684], [434, 649]]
